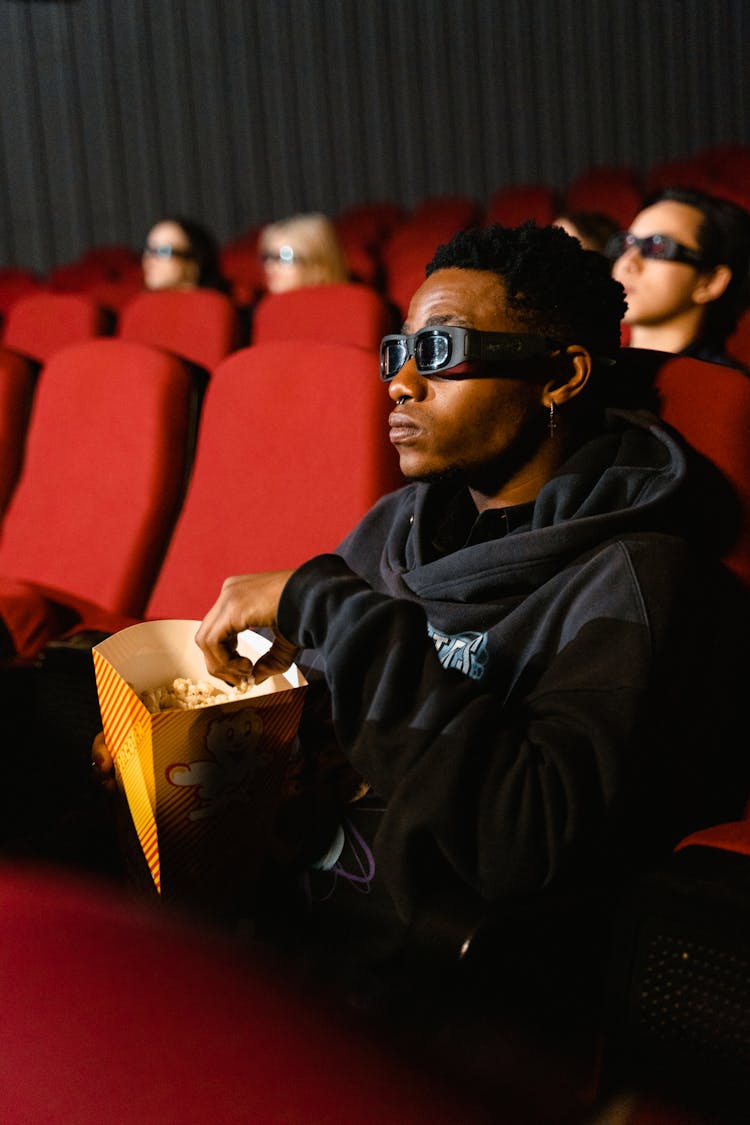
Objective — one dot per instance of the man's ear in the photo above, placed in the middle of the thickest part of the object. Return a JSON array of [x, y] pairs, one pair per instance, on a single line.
[[711, 285], [576, 366]]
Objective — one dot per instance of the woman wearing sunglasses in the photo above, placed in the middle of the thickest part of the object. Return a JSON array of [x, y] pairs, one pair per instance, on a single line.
[[181, 254], [684, 267]]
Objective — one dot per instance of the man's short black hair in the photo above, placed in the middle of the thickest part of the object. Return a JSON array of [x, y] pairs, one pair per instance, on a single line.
[[724, 240], [553, 284]]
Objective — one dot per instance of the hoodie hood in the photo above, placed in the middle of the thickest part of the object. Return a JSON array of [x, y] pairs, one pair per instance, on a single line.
[[630, 478]]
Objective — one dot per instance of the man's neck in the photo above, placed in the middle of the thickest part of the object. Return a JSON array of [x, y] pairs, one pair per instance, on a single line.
[[525, 484]]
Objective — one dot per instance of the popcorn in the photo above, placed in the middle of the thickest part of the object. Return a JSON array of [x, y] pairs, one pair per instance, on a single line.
[[185, 694]]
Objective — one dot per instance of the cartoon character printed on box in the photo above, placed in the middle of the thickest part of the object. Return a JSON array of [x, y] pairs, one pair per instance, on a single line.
[[232, 741]]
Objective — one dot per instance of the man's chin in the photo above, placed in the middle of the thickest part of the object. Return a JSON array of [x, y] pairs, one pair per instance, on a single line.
[[431, 476]]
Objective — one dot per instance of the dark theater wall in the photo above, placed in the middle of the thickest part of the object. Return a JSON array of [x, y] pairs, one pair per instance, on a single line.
[[113, 112]]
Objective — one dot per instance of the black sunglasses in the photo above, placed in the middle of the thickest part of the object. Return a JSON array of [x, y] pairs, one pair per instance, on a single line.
[[440, 349], [660, 247]]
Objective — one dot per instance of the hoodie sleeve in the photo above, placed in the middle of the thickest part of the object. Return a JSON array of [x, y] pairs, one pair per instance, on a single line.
[[508, 796]]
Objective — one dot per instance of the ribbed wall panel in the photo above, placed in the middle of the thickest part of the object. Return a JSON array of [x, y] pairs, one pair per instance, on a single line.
[[113, 113]]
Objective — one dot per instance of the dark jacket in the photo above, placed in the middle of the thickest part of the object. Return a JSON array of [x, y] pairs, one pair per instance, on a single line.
[[527, 707]]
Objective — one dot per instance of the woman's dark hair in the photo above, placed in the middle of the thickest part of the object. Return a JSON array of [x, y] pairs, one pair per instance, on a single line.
[[724, 240], [550, 281], [204, 249]]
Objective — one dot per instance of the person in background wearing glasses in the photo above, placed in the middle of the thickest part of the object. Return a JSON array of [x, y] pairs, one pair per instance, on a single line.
[[301, 250], [181, 254], [685, 267], [509, 646]]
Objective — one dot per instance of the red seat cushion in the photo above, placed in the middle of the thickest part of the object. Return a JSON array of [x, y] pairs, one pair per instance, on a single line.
[[102, 477]]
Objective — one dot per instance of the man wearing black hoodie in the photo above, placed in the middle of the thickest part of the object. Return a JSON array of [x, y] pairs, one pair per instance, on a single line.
[[515, 650]]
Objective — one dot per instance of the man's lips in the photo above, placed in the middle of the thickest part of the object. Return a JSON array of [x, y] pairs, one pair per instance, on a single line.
[[402, 427]]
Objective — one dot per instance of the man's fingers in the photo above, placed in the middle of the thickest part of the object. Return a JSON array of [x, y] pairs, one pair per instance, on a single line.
[[280, 656]]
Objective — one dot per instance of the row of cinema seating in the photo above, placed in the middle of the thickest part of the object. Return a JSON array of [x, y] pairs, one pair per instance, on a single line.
[[201, 326], [291, 449], [387, 245]]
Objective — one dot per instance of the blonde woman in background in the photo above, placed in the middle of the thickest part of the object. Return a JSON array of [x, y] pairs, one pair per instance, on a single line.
[[301, 250]]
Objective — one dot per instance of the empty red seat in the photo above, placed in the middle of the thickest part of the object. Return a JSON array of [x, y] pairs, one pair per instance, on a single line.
[[102, 479], [710, 406], [369, 223], [612, 190], [17, 377], [114, 293], [242, 267], [40, 323], [516, 203], [346, 313], [199, 325], [454, 212], [292, 451], [15, 282]]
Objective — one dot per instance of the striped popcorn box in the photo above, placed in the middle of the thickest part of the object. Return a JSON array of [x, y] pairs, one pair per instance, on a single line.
[[202, 783]]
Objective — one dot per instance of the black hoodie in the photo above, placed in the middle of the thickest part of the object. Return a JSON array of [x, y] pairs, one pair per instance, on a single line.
[[531, 709]]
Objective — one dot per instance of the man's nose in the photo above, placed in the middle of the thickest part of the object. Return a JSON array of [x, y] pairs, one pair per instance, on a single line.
[[407, 382]]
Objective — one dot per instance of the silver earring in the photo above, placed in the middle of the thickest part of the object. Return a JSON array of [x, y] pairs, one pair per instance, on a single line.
[[552, 423]]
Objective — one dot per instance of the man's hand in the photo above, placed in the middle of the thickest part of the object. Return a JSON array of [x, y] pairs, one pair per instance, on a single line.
[[102, 764], [247, 601]]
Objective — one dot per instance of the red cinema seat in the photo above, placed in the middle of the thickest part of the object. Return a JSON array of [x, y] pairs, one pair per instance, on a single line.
[[115, 1013], [454, 212], [241, 265], [292, 451], [709, 405], [40, 323], [513, 205], [612, 190], [345, 313], [15, 282], [17, 379], [199, 325], [369, 223], [102, 478]]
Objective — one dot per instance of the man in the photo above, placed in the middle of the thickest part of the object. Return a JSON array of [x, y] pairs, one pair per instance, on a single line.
[[684, 265], [511, 644]]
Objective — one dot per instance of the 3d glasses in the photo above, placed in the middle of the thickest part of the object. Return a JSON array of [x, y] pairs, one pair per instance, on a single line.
[[436, 350], [660, 247]]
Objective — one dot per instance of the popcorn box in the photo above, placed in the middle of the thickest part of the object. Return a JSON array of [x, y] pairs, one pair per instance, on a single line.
[[202, 785]]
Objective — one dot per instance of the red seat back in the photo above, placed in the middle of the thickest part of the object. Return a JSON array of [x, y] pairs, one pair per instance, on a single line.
[[199, 325], [453, 212], [40, 323], [115, 1013], [103, 473], [513, 205], [710, 406], [292, 451], [345, 313], [15, 282], [16, 392]]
